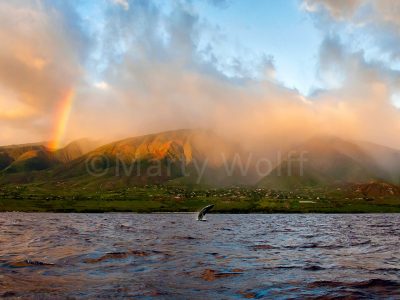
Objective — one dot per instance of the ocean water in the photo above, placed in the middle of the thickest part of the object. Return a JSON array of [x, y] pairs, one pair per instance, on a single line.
[[173, 256]]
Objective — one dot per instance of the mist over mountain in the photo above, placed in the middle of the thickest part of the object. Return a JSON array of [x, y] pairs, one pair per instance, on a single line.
[[331, 160]]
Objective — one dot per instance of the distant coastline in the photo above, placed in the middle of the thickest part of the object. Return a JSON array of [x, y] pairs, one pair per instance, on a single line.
[[183, 199]]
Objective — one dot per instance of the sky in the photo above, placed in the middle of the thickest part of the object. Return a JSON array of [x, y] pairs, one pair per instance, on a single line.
[[257, 69]]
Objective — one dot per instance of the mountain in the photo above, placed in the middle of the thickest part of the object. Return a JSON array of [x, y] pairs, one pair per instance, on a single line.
[[75, 149], [385, 157], [32, 160], [197, 156], [174, 157], [36, 157], [16, 158], [5, 160], [331, 160]]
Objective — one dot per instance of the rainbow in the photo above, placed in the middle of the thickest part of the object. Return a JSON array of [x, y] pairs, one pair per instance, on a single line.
[[63, 111]]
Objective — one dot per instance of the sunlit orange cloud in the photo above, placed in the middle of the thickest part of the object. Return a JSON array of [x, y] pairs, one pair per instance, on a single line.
[[11, 109], [61, 119]]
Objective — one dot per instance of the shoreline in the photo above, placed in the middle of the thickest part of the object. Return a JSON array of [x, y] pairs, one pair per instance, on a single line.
[[167, 199], [211, 213]]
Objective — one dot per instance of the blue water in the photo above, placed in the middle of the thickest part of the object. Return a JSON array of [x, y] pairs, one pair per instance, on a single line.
[[173, 256]]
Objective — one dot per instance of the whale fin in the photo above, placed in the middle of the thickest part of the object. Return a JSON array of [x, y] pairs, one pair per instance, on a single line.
[[203, 212]]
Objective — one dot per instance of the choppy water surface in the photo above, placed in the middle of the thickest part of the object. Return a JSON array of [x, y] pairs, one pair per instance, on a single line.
[[172, 256]]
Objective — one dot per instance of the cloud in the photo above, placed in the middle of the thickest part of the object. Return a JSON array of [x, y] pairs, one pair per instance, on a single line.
[[356, 63], [377, 20], [364, 93], [155, 76], [102, 85], [154, 95], [38, 60], [339, 9], [164, 84], [123, 3], [364, 11]]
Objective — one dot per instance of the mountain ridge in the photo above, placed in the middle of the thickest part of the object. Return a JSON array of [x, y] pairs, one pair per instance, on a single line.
[[37, 156], [330, 160]]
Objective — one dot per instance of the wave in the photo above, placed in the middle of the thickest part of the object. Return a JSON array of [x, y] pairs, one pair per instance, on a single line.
[[372, 283], [116, 255]]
